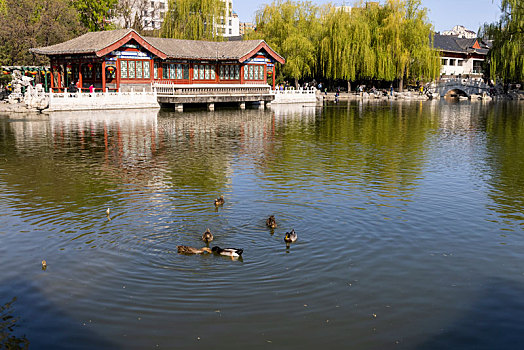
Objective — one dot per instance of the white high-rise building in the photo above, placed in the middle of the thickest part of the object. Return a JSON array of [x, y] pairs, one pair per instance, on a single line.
[[152, 14], [229, 25], [155, 14]]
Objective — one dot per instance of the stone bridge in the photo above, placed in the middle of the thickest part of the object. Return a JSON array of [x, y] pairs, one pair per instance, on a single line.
[[462, 87], [181, 94]]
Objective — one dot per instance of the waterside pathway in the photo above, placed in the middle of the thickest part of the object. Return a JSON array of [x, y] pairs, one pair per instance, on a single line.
[[409, 216]]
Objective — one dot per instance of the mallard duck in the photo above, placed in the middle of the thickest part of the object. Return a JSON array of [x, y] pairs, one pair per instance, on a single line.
[[219, 201], [233, 252], [184, 249], [291, 236], [207, 236], [44, 264], [271, 222]]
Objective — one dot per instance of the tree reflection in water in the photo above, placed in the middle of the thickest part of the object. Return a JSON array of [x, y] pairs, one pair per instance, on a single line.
[[8, 340]]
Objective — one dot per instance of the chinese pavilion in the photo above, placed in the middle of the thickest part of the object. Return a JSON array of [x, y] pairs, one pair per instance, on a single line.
[[121, 60]]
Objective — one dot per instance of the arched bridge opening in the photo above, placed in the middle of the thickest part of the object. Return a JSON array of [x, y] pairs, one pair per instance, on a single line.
[[456, 93]]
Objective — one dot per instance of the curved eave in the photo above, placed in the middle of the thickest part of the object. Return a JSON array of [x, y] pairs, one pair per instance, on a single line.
[[61, 53], [451, 51], [131, 35], [269, 50]]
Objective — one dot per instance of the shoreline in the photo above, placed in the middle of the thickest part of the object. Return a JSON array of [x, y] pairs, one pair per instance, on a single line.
[[415, 96], [22, 108]]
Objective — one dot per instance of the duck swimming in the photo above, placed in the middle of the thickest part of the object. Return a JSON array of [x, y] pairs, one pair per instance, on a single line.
[[290, 236], [271, 222], [219, 201], [44, 264], [184, 249], [232, 252], [207, 236]]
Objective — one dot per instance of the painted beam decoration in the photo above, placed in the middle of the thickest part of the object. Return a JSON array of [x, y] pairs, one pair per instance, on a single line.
[[122, 59]]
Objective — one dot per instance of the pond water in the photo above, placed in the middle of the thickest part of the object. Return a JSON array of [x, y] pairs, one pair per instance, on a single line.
[[410, 222]]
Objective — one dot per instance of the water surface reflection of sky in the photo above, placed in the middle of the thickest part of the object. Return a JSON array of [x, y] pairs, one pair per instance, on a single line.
[[409, 218]]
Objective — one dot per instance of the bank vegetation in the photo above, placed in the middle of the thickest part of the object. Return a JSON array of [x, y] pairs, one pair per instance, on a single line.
[[391, 41], [506, 57]]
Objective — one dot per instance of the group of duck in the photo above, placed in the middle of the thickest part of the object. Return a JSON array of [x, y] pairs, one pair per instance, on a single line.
[[207, 237]]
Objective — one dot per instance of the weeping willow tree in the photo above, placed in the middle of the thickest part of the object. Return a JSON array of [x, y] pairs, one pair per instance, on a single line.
[[506, 57], [348, 44], [194, 20], [293, 30], [379, 42], [409, 52]]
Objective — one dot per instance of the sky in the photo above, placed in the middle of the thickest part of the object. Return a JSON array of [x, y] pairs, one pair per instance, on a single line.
[[444, 14]]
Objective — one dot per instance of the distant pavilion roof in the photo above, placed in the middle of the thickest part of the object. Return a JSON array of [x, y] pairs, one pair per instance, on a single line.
[[102, 43], [452, 43]]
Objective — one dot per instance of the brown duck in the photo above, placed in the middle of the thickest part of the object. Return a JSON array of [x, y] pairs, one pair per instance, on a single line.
[[184, 249], [219, 201], [271, 222], [207, 236]]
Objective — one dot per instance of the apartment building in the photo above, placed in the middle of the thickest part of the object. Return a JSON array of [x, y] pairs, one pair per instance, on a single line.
[[153, 12]]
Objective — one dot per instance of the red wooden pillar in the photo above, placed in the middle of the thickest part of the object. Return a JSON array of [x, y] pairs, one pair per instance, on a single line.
[[117, 75], [151, 71], [103, 76], [80, 77], [274, 74], [59, 82], [52, 75], [242, 67]]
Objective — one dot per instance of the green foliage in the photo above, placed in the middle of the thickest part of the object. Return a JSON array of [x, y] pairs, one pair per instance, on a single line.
[[8, 324], [194, 20], [34, 23], [96, 14], [507, 54], [292, 29], [384, 42], [346, 47], [378, 42]]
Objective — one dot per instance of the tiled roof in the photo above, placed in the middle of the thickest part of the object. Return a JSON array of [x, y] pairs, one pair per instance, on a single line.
[[188, 49], [452, 43], [464, 43], [91, 42], [447, 43], [98, 43]]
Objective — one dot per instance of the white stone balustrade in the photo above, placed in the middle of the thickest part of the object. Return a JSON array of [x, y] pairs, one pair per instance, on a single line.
[[295, 96], [68, 101]]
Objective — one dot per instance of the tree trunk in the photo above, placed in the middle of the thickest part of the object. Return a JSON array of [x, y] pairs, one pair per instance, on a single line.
[[296, 83], [349, 86], [401, 81]]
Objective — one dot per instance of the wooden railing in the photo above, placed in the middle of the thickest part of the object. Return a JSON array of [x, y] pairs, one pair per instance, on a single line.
[[169, 89]]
